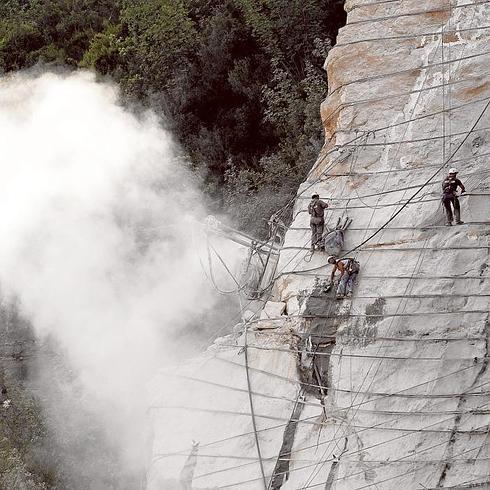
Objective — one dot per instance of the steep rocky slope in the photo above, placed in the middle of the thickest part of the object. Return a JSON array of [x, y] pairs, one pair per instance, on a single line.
[[389, 389]]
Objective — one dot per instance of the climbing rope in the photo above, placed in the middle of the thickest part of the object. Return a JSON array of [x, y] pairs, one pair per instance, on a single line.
[[252, 412], [369, 401], [408, 36], [425, 184], [415, 13]]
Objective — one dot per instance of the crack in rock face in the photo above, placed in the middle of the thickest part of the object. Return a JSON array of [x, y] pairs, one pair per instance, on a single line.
[[462, 402], [281, 470], [318, 336]]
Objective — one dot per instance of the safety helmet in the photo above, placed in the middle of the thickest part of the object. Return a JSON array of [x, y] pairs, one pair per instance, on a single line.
[[453, 170], [330, 258], [315, 196]]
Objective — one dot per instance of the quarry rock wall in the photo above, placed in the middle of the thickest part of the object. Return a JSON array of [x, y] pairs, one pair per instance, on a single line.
[[391, 388]]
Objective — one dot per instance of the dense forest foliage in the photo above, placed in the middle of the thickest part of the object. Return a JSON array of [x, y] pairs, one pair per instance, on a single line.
[[239, 82]]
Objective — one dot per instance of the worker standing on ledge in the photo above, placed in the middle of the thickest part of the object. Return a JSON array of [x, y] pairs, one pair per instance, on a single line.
[[316, 210], [450, 196], [349, 268]]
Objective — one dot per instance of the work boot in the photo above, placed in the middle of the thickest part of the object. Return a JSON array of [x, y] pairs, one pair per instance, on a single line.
[[459, 222], [448, 223]]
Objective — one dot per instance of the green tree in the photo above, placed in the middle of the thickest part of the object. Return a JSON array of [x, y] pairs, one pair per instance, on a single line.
[[239, 82], [51, 31], [159, 37]]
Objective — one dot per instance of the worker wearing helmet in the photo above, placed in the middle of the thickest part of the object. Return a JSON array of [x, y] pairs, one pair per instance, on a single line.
[[349, 269], [450, 197], [316, 210]]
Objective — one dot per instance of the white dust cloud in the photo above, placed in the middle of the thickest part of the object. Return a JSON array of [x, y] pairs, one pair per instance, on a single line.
[[96, 237]]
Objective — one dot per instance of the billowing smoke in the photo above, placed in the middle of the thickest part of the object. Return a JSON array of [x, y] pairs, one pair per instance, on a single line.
[[98, 243]]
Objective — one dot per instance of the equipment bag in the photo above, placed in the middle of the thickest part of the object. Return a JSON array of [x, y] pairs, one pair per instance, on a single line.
[[353, 266], [315, 210], [333, 242]]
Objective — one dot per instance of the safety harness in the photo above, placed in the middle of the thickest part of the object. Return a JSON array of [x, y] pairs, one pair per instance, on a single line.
[[352, 266]]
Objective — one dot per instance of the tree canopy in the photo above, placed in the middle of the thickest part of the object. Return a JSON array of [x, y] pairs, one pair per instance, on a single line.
[[239, 82]]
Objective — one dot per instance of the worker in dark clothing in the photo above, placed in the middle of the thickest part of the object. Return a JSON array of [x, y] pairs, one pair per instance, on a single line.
[[349, 268], [450, 197], [316, 210]]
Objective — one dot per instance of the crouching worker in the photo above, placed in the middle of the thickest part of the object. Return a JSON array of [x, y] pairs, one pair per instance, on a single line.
[[349, 268], [316, 209], [450, 197]]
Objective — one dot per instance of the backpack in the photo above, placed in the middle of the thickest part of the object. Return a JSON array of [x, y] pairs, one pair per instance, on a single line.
[[312, 210], [353, 266]]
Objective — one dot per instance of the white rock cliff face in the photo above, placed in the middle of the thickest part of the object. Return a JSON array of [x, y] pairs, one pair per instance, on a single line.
[[390, 389]]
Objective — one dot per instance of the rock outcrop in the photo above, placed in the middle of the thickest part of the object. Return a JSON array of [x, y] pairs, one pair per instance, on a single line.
[[389, 389]]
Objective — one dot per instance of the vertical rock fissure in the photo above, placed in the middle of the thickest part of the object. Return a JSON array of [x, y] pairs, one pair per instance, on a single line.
[[187, 473], [334, 468], [321, 388], [281, 470], [318, 338], [461, 403]]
